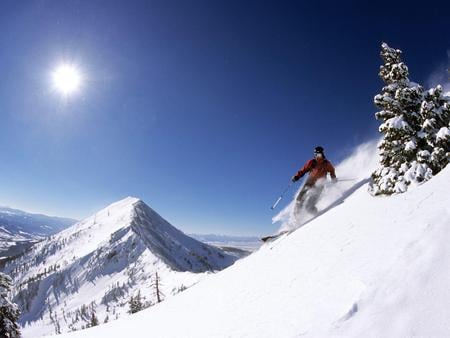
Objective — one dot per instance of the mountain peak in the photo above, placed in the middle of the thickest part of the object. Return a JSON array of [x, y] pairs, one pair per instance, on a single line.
[[116, 251], [176, 249], [128, 201]]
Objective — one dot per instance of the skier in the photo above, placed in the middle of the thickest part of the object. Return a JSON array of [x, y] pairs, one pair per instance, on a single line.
[[318, 167]]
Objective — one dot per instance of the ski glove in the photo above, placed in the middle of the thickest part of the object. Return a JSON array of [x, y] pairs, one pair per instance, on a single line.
[[295, 178]]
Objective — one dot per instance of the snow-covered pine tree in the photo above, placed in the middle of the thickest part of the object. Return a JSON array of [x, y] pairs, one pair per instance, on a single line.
[[399, 104], [435, 133], [135, 303], [131, 305], [138, 302], [9, 313], [94, 319]]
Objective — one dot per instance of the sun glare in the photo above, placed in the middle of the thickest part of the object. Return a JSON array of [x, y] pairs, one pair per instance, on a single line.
[[66, 79]]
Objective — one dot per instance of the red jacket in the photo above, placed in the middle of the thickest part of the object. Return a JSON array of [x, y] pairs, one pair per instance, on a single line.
[[317, 169]]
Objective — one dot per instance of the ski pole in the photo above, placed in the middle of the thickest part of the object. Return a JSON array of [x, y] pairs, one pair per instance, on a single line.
[[281, 196], [345, 179]]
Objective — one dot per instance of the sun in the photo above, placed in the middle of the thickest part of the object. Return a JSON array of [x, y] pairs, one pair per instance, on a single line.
[[66, 79]]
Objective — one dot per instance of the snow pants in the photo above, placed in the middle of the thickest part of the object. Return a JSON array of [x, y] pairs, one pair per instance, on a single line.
[[309, 196]]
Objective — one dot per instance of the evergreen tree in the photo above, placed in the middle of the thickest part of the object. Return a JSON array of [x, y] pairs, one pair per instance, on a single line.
[[135, 303], [9, 313], [131, 305], [94, 319], [138, 301], [434, 133], [399, 104]]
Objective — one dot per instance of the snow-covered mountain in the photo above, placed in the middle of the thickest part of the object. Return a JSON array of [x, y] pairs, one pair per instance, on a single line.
[[93, 268], [19, 229], [364, 267]]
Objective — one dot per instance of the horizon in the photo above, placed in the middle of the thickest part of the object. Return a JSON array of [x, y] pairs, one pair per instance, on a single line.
[[203, 111]]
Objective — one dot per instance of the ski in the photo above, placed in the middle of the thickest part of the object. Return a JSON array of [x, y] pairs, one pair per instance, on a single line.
[[273, 237]]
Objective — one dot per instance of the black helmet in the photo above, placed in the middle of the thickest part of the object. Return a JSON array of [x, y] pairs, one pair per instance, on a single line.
[[318, 150]]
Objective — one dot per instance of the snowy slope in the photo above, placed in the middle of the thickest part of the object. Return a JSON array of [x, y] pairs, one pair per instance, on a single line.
[[95, 266], [20, 229], [368, 267]]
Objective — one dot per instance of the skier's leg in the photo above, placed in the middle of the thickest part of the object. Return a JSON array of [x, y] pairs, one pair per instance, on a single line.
[[316, 191], [301, 195], [300, 201]]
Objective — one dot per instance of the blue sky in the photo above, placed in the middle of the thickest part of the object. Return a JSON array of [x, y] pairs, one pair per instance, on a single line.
[[203, 109]]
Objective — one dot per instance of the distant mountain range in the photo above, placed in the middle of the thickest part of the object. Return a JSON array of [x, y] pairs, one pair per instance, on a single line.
[[19, 229], [94, 267], [247, 243]]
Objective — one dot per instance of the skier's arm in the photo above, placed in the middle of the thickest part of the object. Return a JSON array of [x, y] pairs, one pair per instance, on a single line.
[[306, 168], [331, 170]]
